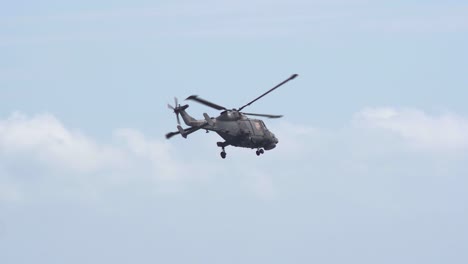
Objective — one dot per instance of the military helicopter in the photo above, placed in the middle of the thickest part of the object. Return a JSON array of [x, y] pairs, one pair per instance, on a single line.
[[232, 125]]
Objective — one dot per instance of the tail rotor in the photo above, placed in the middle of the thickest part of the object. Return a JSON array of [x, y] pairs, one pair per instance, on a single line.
[[175, 109]]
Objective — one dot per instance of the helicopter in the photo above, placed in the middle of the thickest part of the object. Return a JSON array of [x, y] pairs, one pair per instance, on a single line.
[[234, 126]]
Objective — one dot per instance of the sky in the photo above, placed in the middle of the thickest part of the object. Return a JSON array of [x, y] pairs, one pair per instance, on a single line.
[[373, 146]]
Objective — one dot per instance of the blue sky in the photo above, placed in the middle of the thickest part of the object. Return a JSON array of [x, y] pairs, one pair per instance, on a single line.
[[370, 167]]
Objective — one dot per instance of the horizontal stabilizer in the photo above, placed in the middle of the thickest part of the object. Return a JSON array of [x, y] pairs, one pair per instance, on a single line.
[[181, 131], [184, 132]]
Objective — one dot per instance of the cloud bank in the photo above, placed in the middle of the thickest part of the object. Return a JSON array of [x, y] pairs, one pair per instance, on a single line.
[[39, 155], [444, 132], [44, 138], [40, 148]]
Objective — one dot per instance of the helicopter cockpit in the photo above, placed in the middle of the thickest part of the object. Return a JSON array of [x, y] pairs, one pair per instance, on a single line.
[[261, 130]]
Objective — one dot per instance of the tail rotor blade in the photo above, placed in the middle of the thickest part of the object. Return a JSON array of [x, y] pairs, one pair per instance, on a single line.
[[175, 108]]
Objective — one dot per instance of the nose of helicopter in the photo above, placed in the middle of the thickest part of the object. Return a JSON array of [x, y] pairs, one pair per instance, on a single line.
[[271, 142], [275, 139]]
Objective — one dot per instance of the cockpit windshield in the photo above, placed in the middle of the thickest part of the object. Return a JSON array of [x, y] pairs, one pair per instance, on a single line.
[[259, 127]]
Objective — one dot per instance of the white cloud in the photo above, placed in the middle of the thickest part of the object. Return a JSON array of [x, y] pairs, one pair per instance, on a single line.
[[154, 153], [44, 138], [68, 163], [437, 132]]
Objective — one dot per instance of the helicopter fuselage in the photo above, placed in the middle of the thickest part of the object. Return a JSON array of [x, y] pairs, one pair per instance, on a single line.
[[246, 133], [236, 129]]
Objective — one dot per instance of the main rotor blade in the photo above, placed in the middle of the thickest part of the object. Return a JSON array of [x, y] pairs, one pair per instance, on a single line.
[[205, 102], [187, 131], [269, 91], [264, 115]]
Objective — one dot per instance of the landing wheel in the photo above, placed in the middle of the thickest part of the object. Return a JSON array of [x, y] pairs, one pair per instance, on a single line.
[[261, 151], [222, 145]]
